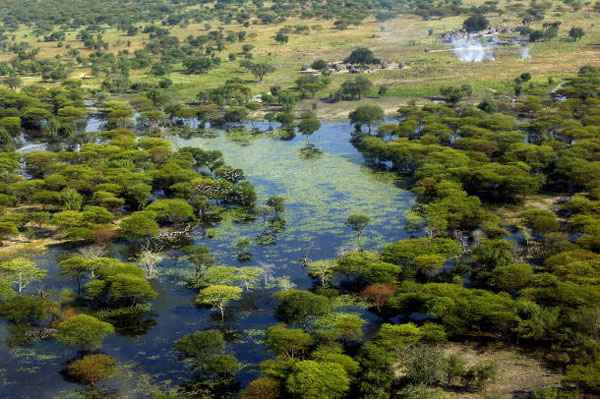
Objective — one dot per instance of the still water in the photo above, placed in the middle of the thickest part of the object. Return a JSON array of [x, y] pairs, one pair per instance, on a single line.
[[320, 193]]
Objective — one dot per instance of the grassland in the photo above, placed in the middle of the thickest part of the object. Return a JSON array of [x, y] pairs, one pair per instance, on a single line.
[[405, 39]]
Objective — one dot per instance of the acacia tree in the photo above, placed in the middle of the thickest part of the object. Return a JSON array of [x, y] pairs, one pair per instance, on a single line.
[[378, 294], [288, 342], [259, 69], [323, 270], [20, 272], [318, 380], [84, 331], [76, 267], [366, 115], [248, 276], [218, 297], [358, 222], [309, 123]]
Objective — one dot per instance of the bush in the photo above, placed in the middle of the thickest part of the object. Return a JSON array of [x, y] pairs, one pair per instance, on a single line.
[[92, 369]]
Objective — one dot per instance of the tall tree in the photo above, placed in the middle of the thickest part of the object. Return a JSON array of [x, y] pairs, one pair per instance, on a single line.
[[21, 272]]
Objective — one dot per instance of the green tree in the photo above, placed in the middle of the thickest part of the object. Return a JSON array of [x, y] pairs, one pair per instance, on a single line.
[[290, 343], [298, 306], [308, 124], [139, 225], [512, 277], [219, 296], [366, 115], [281, 38], [576, 33], [362, 55], [315, 380], [76, 267], [344, 327], [248, 276], [323, 270], [259, 70], [476, 23], [173, 210], [20, 273], [358, 223], [83, 331]]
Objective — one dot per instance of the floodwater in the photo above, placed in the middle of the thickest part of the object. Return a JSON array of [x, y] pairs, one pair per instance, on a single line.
[[320, 193]]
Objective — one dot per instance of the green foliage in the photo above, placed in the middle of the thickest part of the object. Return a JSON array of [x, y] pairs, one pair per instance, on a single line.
[[219, 296], [297, 306], [169, 211], [139, 225], [206, 352], [314, 380], [290, 343], [20, 273], [366, 115], [83, 331], [362, 55]]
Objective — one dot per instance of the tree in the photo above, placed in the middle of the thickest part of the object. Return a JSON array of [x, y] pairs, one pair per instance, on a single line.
[[323, 270], [298, 306], [366, 115], [93, 368], [378, 294], [83, 331], [358, 222], [512, 277], [20, 273], [206, 352], [149, 260], [584, 376], [290, 343], [262, 388], [130, 289], [259, 70], [355, 89], [541, 221], [13, 81], [201, 257], [362, 56], [309, 85], [171, 210], [315, 380], [219, 296], [453, 95], [576, 33], [343, 327], [319, 65], [281, 38], [139, 225], [476, 23], [309, 123], [248, 276], [76, 267]]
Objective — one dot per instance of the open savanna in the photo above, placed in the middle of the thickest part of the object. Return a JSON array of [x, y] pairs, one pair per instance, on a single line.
[[404, 39]]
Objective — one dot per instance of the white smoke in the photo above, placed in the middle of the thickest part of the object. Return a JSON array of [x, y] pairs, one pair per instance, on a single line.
[[468, 49]]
